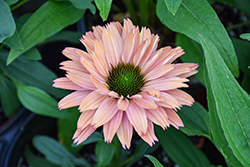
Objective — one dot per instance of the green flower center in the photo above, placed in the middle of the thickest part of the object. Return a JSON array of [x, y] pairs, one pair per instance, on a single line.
[[125, 79]]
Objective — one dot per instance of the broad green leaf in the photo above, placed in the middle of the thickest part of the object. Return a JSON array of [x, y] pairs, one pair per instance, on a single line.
[[13, 41], [50, 18], [193, 53], [242, 49], [35, 161], [67, 36], [144, 8], [231, 102], [39, 102], [29, 72], [203, 18], [245, 36], [21, 20], [55, 152], [154, 160], [7, 24], [84, 4], [9, 100], [104, 153], [32, 54], [104, 8], [11, 2], [180, 149], [195, 120], [67, 163], [172, 5], [93, 138], [216, 128], [67, 128]]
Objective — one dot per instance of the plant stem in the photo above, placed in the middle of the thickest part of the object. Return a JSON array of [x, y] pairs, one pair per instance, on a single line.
[[237, 25], [18, 5], [117, 154]]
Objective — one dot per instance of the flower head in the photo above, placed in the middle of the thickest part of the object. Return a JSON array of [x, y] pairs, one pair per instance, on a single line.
[[123, 83]]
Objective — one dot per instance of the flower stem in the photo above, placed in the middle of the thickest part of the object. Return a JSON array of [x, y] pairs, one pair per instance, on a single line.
[[18, 5], [238, 25]]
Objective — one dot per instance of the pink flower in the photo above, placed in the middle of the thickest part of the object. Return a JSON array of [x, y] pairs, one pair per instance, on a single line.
[[123, 83]]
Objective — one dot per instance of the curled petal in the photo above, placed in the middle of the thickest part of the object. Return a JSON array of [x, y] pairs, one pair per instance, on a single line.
[[122, 103], [145, 102]]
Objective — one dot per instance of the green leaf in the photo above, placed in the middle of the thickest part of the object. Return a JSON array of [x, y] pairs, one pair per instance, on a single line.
[[154, 160], [93, 138], [13, 42], [195, 119], [11, 2], [245, 36], [35, 161], [242, 49], [29, 72], [104, 8], [32, 54], [231, 102], [50, 18], [9, 100], [104, 153], [67, 163], [193, 53], [216, 129], [173, 5], [203, 18], [55, 152], [67, 128], [7, 24], [180, 149], [39, 102], [67, 36], [84, 4]]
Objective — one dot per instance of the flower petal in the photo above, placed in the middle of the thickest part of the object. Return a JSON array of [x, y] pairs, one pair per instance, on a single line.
[[82, 134], [182, 97], [73, 99], [92, 101], [125, 132], [158, 116], [111, 127], [70, 53], [174, 118], [145, 102], [149, 136], [158, 72], [73, 66], [122, 103], [137, 117], [66, 83], [105, 112], [85, 119], [82, 79], [168, 101]]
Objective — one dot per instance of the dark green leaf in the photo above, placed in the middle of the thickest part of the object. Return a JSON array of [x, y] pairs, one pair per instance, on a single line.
[[67, 163], [13, 42], [231, 102], [29, 72], [104, 153], [67, 128], [84, 4], [203, 18], [9, 100], [195, 119], [50, 18], [193, 53], [245, 36], [242, 49], [11, 2], [173, 5], [216, 129], [32, 54], [104, 8], [35, 161], [7, 24], [39, 101], [67, 36], [154, 160], [180, 149], [93, 138], [55, 152], [21, 20]]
